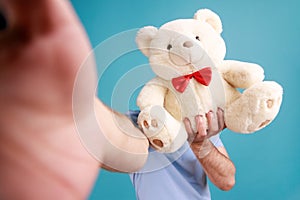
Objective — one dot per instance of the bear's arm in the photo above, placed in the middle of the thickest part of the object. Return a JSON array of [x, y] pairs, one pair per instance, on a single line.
[[153, 93], [241, 74]]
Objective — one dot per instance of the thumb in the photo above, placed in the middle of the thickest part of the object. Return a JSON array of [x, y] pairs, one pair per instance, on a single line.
[[32, 17]]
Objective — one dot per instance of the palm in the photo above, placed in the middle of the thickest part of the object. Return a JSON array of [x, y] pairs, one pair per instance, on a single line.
[[39, 147]]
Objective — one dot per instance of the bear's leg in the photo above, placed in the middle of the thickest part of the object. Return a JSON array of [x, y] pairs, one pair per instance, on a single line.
[[256, 108], [165, 133]]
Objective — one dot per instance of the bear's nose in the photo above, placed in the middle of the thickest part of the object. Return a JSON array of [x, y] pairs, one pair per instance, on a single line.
[[188, 44]]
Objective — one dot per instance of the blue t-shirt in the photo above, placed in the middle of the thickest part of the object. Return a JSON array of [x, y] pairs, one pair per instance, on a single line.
[[173, 176]]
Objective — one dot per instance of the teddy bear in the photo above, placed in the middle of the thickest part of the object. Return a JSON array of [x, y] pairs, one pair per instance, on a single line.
[[192, 78]]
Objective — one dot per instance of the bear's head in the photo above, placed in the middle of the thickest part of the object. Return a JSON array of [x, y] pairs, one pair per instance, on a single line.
[[183, 46]]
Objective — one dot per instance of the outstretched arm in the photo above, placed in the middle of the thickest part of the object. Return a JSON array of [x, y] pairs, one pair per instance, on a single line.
[[215, 162], [121, 142], [41, 50]]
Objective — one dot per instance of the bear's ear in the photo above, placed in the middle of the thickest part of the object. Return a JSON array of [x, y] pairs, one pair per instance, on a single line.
[[144, 38], [209, 17]]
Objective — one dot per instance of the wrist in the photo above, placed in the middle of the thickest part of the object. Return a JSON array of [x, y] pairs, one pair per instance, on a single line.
[[201, 150]]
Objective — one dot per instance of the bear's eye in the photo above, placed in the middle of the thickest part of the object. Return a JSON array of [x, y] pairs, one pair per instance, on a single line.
[[169, 46], [197, 38]]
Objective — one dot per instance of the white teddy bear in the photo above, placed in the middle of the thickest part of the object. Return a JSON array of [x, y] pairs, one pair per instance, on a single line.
[[187, 55]]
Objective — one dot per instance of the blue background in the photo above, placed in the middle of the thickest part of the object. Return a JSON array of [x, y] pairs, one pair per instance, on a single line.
[[265, 32]]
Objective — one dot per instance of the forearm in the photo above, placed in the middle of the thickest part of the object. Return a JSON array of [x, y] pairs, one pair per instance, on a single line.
[[219, 168], [124, 147]]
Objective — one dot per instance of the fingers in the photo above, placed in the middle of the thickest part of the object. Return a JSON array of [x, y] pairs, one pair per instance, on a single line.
[[212, 123], [198, 136], [215, 124], [220, 117], [189, 130], [201, 129]]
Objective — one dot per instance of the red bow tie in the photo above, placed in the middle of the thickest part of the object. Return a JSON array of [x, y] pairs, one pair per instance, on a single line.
[[202, 76]]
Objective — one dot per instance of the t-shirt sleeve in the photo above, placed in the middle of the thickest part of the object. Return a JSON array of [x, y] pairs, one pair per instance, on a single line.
[[133, 116], [216, 140]]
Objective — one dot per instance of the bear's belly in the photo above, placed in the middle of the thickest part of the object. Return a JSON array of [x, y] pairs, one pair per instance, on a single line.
[[195, 100]]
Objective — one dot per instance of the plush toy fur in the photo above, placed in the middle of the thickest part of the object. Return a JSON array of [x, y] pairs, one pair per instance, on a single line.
[[181, 47]]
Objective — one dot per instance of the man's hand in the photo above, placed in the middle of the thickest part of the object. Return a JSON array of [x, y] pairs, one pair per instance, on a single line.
[[200, 140], [42, 46], [215, 162], [41, 50]]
